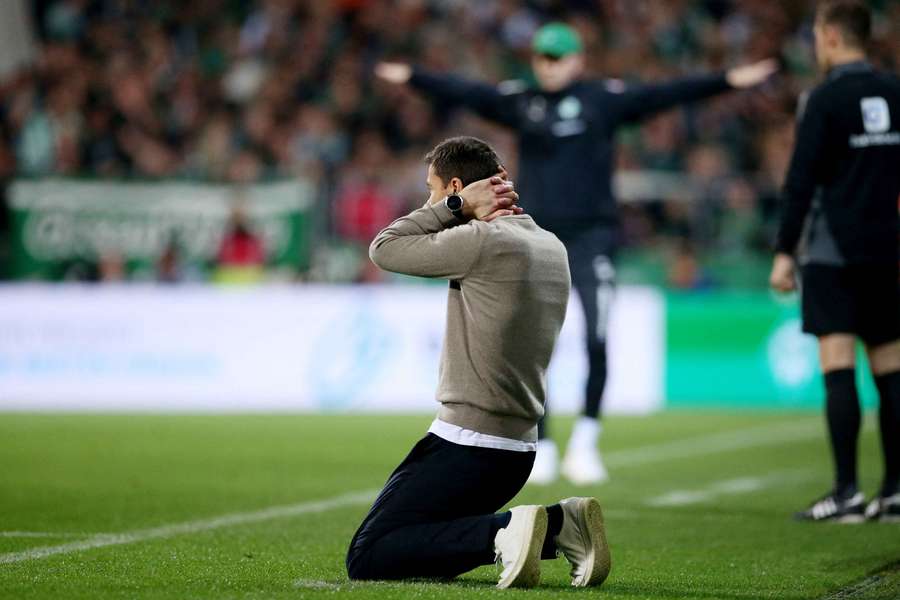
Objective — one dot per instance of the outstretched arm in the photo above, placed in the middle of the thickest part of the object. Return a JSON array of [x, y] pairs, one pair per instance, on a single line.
[[479, 97], [647, 100]]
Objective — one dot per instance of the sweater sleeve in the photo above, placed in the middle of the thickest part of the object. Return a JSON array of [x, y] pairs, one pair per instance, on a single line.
[[645, 100], [486, 100], [428, 242], [803, 175]]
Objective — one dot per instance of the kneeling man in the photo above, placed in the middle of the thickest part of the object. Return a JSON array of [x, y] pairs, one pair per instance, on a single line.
[[509, 287]]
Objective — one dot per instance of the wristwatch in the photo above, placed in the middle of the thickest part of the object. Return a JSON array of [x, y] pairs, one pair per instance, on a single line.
[[454, 203]]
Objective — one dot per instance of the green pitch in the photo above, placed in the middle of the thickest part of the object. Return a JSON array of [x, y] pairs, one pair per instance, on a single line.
[[182, 507]]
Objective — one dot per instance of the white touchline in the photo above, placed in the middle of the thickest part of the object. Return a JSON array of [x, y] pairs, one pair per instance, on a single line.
[[727, 487], [45, 534], [166, 531], [316, 584], [751, 437]]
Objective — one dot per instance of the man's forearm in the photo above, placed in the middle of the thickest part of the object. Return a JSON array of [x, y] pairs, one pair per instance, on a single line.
[[480, 97], [659, 97], [426, 243], [445, 87], [793, 217]]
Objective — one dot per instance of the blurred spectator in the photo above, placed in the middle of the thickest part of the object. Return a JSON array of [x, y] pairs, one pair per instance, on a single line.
[[241, 92], [173, 266], [242, 256], [111, 266], [685, 271]]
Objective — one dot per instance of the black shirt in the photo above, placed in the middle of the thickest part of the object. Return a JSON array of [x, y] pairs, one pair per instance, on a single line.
[[847, 156], [565, 140]]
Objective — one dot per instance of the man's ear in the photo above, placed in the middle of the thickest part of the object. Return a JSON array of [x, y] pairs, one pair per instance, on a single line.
[[456, 185]]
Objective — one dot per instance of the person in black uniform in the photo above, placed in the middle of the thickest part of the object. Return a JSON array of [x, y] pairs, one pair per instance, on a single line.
[[566, 128], [843, 185]]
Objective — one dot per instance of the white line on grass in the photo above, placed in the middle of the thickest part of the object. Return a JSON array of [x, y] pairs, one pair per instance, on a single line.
[[727, 487], [750, 437], [317, 584], [45, 534], [166, 531], [321, 584]]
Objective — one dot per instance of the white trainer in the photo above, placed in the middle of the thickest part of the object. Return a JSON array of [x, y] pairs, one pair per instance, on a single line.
[[518, 547], [546, 464], [582, 541], [584, 466]]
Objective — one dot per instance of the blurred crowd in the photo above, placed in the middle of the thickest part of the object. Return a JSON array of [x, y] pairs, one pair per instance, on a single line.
[[244, 91]]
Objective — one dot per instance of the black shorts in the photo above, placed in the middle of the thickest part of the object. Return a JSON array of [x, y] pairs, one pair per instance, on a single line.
[[863, 300]]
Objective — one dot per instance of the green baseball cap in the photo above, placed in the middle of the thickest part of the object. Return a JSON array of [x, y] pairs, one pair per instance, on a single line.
[[556, 39]]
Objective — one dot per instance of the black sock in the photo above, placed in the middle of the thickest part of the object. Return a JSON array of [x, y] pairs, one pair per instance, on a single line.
[[554, 526], [889, 420], [500, 521], [844, 418]]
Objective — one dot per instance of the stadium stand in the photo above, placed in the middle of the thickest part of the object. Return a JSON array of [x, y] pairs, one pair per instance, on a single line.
[[241, 92]]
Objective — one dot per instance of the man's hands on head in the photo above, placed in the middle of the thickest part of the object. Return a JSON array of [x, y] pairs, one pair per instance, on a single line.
[[783, 276], [490, 198], [753, 74], [393, 72]]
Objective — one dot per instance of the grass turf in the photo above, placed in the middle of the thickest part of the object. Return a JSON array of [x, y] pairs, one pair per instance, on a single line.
[[725, 531]]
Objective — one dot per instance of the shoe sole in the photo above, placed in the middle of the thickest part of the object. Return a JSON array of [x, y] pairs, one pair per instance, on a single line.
[[850, 519], [599, 560], [853, 519], [526, 572]]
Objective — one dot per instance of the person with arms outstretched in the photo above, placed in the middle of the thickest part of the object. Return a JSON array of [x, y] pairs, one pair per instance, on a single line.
[[565, 130]]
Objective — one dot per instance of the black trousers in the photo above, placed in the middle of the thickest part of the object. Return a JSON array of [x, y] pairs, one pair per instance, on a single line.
[[435, 516], [592, 253]]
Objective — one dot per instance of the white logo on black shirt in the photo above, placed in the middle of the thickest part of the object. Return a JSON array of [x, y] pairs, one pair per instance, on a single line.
[[875, 114], [569, 108], [876, 118]]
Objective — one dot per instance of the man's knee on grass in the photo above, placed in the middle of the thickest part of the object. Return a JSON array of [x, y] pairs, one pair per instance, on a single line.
[[360, 566], [356, 564]]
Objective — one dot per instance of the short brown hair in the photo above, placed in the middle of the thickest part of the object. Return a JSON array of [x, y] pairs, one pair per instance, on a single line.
[[465, 157], [851, 16]]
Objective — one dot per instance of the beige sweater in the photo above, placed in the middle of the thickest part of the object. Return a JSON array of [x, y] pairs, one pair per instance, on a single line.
[[507, 301]]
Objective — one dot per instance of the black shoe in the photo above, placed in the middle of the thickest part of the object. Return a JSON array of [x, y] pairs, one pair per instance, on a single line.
[[839, 509], [884, 509]]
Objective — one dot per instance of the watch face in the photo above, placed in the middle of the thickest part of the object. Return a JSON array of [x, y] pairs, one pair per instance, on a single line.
[[454, 202]]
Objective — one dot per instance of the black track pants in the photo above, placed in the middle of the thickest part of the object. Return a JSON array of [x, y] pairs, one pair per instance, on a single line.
[[435, 516], [592, 253]]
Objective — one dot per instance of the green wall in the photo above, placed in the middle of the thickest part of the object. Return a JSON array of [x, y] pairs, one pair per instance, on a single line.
[[743, 349]]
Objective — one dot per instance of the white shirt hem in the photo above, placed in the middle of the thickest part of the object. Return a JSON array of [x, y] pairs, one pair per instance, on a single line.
[[466, 437]]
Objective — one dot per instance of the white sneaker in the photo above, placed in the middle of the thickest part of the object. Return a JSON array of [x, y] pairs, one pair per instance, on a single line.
[[584, 466], [884, 509], [546, 464], [518, 547], [582, 541]]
